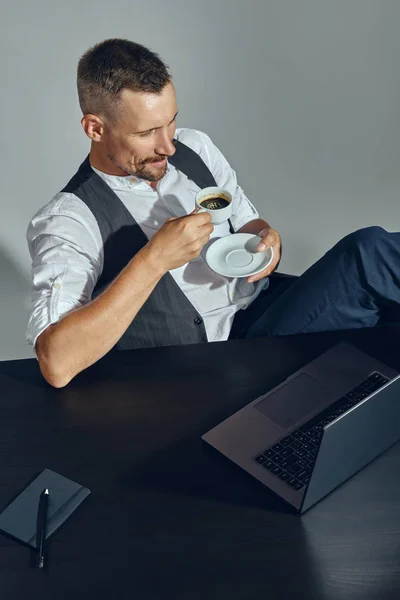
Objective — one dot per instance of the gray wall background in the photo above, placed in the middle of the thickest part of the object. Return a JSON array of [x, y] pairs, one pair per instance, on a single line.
[[302, 96]]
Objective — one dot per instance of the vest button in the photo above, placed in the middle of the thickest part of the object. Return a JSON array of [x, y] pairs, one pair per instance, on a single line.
[[198, 321]]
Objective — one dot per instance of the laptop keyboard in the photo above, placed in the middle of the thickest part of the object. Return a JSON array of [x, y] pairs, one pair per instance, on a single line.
[[292, 458]]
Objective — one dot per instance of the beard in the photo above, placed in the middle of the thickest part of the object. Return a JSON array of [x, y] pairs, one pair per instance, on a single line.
[[145, 170]]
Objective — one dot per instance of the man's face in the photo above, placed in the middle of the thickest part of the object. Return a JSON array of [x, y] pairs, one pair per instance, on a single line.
[[139, 140]]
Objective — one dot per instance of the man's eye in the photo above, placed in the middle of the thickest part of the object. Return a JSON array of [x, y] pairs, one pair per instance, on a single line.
[[146, 133]]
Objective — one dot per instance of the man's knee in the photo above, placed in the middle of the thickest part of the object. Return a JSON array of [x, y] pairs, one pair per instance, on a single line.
[[368, 237]]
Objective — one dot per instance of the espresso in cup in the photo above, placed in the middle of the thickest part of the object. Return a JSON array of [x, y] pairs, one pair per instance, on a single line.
[[217, 202]]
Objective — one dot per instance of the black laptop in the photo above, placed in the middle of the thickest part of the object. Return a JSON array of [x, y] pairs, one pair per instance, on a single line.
[[317, 428]]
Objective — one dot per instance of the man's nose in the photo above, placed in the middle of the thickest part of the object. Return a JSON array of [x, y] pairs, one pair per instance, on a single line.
[[164, 145]]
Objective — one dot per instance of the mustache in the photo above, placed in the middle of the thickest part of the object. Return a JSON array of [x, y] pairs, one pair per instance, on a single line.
[[154, 160]]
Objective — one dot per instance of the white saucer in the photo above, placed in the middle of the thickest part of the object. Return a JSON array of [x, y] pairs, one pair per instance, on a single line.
[[235, 255]]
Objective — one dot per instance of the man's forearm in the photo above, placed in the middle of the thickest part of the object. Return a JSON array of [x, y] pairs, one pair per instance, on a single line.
[[88, 333]]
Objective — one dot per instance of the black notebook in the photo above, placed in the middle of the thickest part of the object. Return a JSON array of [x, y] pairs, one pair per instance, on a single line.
[[19, 518]]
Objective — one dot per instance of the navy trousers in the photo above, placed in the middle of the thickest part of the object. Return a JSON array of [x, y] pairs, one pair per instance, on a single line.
[[355, 284]]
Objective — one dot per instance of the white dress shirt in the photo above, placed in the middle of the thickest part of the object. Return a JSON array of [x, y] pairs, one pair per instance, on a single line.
[[66, 246]]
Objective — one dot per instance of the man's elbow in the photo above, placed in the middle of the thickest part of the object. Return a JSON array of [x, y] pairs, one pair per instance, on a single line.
[[51, 366], [55, 378]]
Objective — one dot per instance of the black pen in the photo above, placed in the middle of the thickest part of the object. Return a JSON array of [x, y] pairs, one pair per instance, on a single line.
[[43, 526]]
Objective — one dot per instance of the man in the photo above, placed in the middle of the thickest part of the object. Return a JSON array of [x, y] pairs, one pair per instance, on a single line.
[[118, 255]]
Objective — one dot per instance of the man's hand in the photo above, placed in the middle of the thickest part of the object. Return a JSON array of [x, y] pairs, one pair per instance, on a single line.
[[179, 240], [270, 238]]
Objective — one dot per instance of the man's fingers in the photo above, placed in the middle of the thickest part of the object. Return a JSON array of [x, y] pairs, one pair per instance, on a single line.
[[269, 238], [203, 218], [261, 275], [266, 273], [267, 242]]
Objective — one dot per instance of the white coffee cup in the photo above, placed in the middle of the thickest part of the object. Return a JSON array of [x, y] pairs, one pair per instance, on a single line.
[[218, 215]]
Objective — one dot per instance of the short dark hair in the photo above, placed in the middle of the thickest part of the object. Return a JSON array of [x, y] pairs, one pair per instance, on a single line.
[[113, 65]]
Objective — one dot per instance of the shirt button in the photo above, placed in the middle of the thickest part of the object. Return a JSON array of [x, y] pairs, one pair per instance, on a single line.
[[198, 321], [56, 286]]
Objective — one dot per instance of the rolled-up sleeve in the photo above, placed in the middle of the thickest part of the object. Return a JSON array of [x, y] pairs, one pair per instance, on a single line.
[[67, 259]]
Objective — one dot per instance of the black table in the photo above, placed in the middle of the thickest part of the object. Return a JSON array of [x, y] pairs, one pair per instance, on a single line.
[[170, 518]]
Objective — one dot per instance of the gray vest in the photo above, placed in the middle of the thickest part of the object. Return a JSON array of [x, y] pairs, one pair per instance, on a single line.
[[167, 317]]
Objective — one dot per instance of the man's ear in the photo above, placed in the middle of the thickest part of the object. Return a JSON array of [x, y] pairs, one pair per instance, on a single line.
[[93, 126]]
